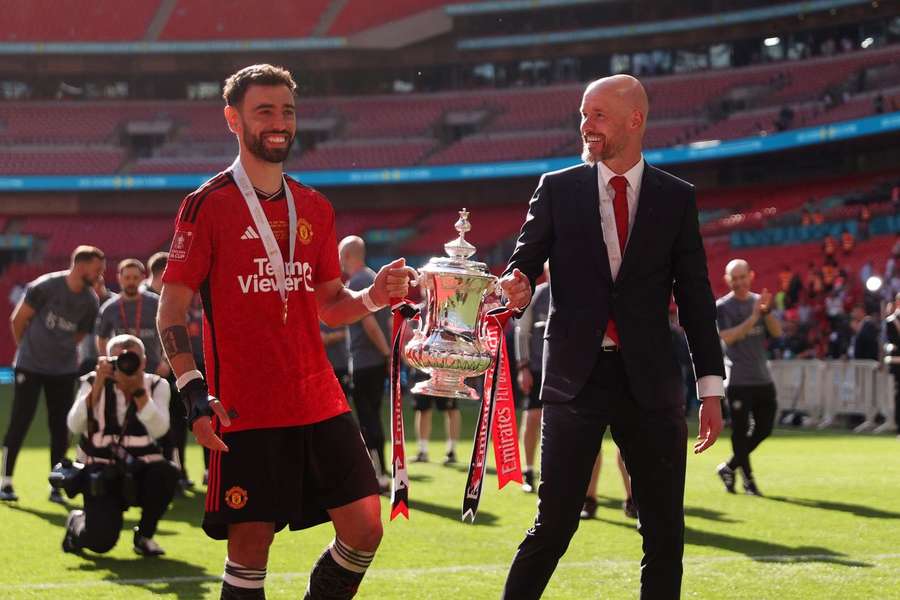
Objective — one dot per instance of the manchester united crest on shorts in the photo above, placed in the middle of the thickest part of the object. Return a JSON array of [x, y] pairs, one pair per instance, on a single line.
[[304, 231], [236, 497]]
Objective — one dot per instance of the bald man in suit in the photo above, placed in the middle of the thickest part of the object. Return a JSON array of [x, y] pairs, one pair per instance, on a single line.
[[621, 236]]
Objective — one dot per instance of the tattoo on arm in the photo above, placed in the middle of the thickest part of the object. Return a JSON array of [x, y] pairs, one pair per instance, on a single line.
[[176, 340]]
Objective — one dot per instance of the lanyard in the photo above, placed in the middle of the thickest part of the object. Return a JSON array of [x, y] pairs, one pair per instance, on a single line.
[[137, 315], [273, 251]]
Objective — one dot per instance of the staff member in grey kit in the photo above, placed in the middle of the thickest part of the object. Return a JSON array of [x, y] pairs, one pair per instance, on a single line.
[[56, 313], [132, 312], [745, 320]]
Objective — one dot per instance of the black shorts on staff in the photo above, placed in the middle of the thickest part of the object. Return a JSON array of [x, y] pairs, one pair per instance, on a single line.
[[288, 476], [426, 402]]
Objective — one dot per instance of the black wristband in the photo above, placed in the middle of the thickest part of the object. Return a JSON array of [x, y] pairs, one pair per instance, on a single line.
[[196, 400]]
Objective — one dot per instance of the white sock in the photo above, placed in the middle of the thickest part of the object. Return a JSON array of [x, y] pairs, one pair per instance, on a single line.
[[238, 575], [529, 468], [451, 445], [349, 558], [423, 446], [5, 481]]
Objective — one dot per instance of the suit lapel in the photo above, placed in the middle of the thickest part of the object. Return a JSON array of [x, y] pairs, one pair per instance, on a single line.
[[641, 233], [588, 212]]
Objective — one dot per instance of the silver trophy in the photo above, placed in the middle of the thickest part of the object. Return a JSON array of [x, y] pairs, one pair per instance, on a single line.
[[447, 345]]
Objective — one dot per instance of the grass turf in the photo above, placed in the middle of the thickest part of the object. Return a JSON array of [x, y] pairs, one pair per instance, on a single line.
[[828, 528]]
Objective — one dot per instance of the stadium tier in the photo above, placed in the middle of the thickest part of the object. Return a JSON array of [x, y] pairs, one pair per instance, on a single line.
[[233, 19], [77, 21], [454, 127], [74, 160], [358, 15]]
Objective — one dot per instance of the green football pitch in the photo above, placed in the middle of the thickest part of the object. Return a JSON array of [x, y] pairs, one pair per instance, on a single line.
[[829, 527]]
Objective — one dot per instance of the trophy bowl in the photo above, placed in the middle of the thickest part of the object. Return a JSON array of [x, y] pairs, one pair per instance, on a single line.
[[447, 344]]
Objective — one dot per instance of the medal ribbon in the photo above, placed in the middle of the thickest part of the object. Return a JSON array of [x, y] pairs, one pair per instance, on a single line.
[[402, 310], [497, 401], [273, 251]]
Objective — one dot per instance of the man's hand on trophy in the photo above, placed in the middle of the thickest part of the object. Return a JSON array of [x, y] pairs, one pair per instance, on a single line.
[[517, 289], [392, 281]]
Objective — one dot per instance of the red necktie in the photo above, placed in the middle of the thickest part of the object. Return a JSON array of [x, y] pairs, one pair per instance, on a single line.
[[620, 206]]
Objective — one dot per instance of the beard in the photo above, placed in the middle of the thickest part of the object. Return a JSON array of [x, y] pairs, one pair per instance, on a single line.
[[130, 290], [273, 155], [609, 149]]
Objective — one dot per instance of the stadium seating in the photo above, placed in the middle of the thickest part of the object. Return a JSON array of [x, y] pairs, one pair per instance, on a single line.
[[367, 154], [92, 21], [499, 147], [513, 124], [68, 161], [238, 20], [117, 236], [358, 15]]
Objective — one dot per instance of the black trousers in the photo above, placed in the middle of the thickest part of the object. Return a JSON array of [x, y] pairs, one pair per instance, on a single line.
[[744, 402], [654, 447], [59, 390], [897, 401], [368, 393], [103, 514]]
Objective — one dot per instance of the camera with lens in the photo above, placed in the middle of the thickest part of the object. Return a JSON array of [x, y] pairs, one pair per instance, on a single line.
[[128, 362], [68, 476]]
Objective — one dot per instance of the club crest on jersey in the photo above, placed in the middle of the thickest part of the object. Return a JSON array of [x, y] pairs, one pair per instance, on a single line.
[[304, 231], [181, 245], [236, 497]]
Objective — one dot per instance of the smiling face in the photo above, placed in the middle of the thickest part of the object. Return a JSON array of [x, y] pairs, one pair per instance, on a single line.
[[265, 122], [613, 112], [739, 277]]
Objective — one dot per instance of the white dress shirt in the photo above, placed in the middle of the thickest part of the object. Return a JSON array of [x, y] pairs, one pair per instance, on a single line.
[[708, 385]]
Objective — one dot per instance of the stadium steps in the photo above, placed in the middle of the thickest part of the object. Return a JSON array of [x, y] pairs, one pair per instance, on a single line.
[[328, 17], [166, 8]]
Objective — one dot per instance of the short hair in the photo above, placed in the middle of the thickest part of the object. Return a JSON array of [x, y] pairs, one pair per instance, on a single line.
[[126, 341], [131, 262], [237, 84], [83, 254], [157, 263]]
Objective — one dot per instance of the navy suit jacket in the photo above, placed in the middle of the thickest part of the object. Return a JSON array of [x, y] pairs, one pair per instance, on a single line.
[[664, 255]]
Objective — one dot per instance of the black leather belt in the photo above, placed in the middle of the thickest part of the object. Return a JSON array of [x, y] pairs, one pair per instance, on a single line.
[[609, 348]]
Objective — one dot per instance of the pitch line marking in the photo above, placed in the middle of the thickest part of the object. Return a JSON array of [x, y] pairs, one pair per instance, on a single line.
[[389, 573]]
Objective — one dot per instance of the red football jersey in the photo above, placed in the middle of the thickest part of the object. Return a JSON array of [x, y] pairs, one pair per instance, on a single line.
[[268, 373]]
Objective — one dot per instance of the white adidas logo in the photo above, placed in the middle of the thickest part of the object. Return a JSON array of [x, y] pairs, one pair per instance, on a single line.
[[250, 234]]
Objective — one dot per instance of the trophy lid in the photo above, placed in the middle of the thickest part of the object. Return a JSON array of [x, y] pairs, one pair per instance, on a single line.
[[458, 252], [460, 248]]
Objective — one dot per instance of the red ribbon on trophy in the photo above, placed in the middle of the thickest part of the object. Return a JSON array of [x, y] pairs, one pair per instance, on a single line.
[[496, 419], [402, 310]]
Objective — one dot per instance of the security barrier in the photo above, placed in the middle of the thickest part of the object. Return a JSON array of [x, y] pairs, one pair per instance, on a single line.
[[824, 389]]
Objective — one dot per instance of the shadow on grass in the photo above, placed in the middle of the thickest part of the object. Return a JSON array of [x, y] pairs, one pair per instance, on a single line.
[[762, 550], [188, 510], [56, 518], [453, 513], [858, 510], [689, 511], [180, 578]]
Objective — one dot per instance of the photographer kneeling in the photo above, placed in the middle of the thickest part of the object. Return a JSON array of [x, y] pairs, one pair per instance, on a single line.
[[120, 413]]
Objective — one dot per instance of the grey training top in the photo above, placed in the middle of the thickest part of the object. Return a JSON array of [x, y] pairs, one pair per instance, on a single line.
[[747, 358], [338, 353], [363, 352], [110, 323], [48, 343]]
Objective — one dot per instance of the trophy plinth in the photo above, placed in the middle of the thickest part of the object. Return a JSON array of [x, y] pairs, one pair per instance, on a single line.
[[447, 345]]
